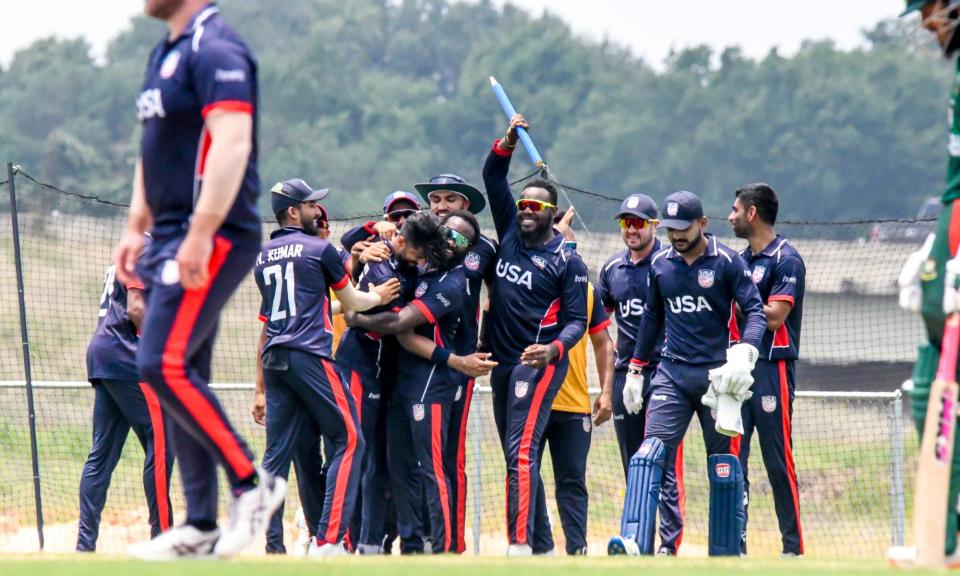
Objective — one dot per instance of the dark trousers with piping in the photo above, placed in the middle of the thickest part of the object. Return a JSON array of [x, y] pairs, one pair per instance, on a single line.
[[455, 462]]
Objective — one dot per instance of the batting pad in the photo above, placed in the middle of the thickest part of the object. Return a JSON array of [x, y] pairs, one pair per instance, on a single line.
[[643, 494], [727, 506]]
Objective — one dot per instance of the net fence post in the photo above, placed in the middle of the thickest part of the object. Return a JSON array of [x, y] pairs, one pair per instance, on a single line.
[[897, 496], [475, 481], [25, 342]]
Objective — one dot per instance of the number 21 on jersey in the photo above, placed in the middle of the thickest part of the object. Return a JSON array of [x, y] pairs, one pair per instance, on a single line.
[[281, 277]]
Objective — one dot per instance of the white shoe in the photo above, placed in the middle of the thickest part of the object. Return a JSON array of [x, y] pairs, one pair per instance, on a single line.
[[368, 550], [327, 549], [302, 544], [519, 550], [250, 513], [177, 543], [622, 545]]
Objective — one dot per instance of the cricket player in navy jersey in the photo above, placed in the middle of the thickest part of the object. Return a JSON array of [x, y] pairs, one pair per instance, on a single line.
[[779, 274], [196, 186], [537, 313], [622, 285], [418, 413], [446, 194], [120, 403], [694, 289], [294, 272], [396, 208]]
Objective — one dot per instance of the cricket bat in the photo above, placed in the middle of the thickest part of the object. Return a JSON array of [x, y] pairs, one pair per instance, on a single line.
[[936, 453]]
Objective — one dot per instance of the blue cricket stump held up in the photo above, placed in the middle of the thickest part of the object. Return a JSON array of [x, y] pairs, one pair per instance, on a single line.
[[522, 133]]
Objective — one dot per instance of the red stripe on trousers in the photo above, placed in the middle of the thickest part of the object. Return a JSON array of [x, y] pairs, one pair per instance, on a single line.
[[953, 235], [735, 445], [159, 454], [356, 388], [346, 462], [175, 375], [523, 457], [436, 451], [681, 492], [462, 471], [788, 443]]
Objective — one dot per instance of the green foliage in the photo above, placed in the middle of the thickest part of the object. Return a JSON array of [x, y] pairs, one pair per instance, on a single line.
[[370, 96]]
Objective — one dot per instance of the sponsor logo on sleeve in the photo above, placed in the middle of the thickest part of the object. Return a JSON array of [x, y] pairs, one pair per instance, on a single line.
[[238, 75], [443, 300]]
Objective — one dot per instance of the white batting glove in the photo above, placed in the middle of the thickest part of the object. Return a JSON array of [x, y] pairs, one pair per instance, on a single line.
[[909, 280], [951, 290], [633, 388], [710, 398], [729, 419], [735, 376]]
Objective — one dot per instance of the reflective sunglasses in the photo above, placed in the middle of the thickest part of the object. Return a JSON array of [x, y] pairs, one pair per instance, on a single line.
[[398, 215], [533, 205], [459, 239], [638, 223]]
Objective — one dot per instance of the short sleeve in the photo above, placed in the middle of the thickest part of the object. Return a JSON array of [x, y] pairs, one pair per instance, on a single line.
[[444, 296], [787, 282], [598, 316], [334, 273], [223, 78]]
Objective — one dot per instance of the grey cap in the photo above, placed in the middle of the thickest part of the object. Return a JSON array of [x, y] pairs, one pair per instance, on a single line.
[[680, 209], [639, 205]]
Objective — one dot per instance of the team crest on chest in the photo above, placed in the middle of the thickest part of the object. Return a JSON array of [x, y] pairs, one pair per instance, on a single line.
[[421, 290], [520, 390], [758, 273], [418, 412], [539, 262], [472, 261], [769, 404], [169, 65], [705, 278]]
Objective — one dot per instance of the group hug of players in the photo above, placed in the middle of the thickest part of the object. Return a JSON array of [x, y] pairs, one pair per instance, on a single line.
[[377, 431]]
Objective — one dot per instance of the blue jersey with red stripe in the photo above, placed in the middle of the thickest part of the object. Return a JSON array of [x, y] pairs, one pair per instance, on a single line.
[[111, 354], [360, 347], [206, 68], [539, 294], [694, 306], [478, 266], [294, 271], [780, 274], [440, 297], [623, 289]]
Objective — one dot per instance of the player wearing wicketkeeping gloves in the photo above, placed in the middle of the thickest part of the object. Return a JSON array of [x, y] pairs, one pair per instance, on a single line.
[[294, 272], [537, 313], [195, 187], [929, 278], [780, 275], [448, 194], [122, 402], [695, 287], [419, 410], [623, 289]]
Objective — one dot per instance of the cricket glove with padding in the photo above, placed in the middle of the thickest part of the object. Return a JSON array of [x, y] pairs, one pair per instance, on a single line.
[[633, 388]]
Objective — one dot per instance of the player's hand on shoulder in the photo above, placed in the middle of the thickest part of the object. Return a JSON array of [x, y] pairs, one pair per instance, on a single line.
[[475, 365], [387, 291], [539, 355], [374, 252], [125, 257]]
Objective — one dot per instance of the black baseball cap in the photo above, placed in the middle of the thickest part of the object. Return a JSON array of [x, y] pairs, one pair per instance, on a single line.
[[680, 209], [292, 192], [639, 205]]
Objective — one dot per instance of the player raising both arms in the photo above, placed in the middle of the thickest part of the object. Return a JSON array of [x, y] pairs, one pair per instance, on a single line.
[[694, 289], [780, 275], [538, 311], [196, 184]]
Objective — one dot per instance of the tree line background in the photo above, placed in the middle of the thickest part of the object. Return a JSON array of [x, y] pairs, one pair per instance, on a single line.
[[371, 96]]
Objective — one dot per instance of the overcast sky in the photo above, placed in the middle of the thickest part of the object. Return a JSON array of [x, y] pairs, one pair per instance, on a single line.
[[649, 27]]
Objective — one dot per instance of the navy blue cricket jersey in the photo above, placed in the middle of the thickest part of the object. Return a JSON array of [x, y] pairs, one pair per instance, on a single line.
[[112, 352], [478, 266], [539, 294], [294, 272], [360, 347], [780, 274], [206, 68], [623, 289], [694, 306], [440, 296]]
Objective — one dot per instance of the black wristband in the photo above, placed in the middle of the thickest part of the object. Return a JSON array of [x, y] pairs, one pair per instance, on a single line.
[[440, 356]]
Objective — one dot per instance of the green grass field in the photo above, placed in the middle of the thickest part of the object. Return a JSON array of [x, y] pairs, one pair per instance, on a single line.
[[445, 566]]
